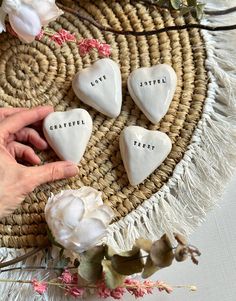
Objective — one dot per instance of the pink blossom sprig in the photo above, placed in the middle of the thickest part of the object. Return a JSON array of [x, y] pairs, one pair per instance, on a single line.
[[64, 36], [39, 287], [86, 45], [69, 282]]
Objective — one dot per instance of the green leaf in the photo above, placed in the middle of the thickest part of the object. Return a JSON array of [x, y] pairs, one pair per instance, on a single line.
[[109, 252], [144, 244], [180, 239], [162, 252], [185, 10], [192, 2], [181, 253], [175, 3], [200, 10], [90, 267], [63, 263], [149, 269], [128, 263], [112, 278]]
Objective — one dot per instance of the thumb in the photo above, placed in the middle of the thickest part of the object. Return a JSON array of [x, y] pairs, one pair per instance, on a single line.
[[52, 172]]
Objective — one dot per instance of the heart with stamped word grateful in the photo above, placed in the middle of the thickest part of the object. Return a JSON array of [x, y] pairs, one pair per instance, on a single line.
[[99, 86], [142, 152], [152, 89], [68, 133]]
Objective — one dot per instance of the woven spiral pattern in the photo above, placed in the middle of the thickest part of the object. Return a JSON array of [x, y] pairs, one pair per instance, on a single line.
[[41, 74]]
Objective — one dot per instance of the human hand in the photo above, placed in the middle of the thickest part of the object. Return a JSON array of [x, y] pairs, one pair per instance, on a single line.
[[17, 180]]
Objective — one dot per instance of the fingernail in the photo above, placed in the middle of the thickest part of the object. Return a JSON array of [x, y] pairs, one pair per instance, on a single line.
[[71, 170]]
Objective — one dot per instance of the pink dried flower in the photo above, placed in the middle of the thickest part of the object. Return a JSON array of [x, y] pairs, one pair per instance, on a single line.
[[66, 277], [75, 278], [93, 43], [84, 46], [104, 50], [149, 285], [118, 293], [103, 291], [57, 39], [39, 287], [76, 291], [66, 35], [162, 286], [63, 36]]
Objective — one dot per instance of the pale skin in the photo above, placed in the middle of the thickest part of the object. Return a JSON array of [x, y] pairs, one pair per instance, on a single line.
[[16, 141]]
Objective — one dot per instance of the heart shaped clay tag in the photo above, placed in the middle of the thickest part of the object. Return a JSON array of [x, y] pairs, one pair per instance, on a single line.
[[68, 133], [99, 86], [153, 89], [142, 152]]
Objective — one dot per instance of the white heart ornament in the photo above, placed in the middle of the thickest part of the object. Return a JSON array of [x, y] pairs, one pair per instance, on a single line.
[[99, 86], [68, 133], [142, 152], [152, 89]]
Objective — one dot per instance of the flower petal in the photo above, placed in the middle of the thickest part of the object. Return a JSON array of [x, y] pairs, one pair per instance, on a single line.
[[11, 6], [47, 10], [73, 213], [92, 198], [89, 232], [2, 20], [25, 23], [104, 213]]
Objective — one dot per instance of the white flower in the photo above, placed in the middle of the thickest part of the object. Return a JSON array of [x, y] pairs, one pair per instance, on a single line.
[[28, 16], [11, 5], [46, 9], [2, 20], [78, 218], [25, 23]]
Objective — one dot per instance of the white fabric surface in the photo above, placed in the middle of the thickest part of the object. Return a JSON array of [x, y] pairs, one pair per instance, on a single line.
[[215, 276]]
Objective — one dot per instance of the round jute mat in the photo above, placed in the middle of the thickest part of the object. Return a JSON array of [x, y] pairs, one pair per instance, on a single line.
[[41, 74]]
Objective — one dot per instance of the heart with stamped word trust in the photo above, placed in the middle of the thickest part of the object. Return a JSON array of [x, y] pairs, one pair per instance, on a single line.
[[153, 89], [99, 86], [68, 133], [142, 152]]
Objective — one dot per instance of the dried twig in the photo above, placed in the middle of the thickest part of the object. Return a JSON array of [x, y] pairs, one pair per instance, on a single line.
[[220, 12], [145, 33], [20, 258]]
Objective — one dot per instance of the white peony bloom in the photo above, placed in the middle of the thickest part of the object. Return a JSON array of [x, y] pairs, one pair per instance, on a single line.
[[28, 16], [25, 23], [46, 9], [2, 20], [78, 219], [10, 6]]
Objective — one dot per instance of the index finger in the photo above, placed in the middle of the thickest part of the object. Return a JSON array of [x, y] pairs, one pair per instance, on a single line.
[[17, 121], [5, 112]]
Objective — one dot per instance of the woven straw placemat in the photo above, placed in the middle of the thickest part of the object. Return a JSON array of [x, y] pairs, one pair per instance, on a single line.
[[41, 74]]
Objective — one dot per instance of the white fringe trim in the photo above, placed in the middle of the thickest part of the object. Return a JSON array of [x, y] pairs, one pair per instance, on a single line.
[[198, 180]]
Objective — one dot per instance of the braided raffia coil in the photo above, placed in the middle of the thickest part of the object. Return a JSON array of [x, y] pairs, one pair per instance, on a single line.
[[41, 73]]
